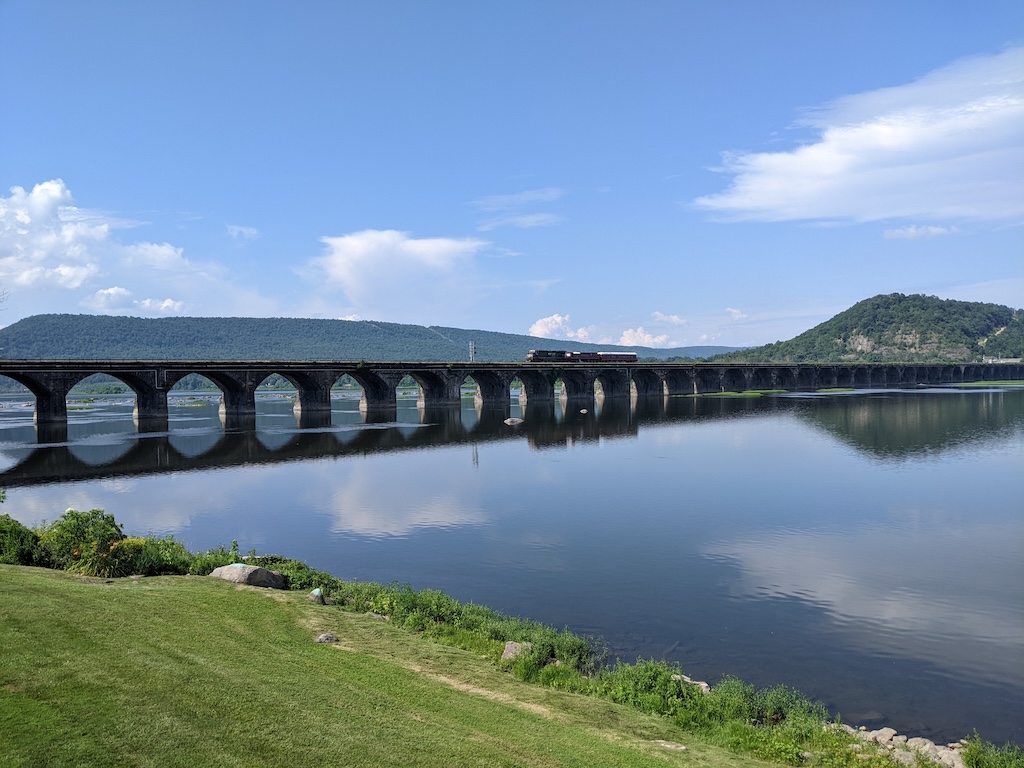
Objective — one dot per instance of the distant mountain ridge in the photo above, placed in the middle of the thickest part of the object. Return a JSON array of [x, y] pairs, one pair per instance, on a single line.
[[255, 338], [902, 328]]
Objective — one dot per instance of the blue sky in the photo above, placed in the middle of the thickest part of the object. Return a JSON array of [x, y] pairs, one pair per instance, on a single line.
[[658, 173]]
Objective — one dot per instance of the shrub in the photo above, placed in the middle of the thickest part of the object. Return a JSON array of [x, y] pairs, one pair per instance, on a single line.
[[81, 541], [652, 686], [203, 563], [299, 575], [19, 545], [978, 753]]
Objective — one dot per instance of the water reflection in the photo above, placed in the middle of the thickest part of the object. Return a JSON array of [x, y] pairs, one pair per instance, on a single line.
[[924, 600], [866, 548], [901, 424]]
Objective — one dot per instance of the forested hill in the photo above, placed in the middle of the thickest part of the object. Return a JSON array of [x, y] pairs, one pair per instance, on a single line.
[[899, 328], [251, 338]]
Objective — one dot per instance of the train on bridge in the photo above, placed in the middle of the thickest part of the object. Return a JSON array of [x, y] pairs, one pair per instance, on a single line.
[[563, 356]]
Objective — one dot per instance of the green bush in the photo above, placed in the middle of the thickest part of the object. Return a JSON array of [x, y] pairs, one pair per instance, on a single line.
[[653, 686], [204, 563], [19, 545], [81, 541], [299, 575], [978, 753]]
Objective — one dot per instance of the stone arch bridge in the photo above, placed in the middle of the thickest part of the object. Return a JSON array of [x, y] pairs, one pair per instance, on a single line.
[[441, 383]]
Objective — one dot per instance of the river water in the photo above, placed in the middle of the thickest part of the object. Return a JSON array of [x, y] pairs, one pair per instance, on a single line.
[[866, 547]]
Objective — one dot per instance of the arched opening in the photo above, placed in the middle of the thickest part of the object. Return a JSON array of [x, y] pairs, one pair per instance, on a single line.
[[734, 380], [193, 404], [277, 406], [17, 411], [786, 378], [647, 384], [346, 398], [612, 383], [805, 378], [764, 378], [102, 404]]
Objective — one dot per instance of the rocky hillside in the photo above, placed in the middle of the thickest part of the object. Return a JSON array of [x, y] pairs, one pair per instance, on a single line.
[[899, 328]]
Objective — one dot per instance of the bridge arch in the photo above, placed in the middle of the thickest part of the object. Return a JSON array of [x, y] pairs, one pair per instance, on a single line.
[[493, 389], [577, 384], [645, 383], [734, 380], [680, 381], [612, 382], [707, 380], [538, 385]]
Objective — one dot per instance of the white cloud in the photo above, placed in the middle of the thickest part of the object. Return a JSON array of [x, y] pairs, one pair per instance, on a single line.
[[161, 306], [639, 337], [388, 274], [736, 314], [670, 319], [913, 232], [108, 300], [945, 146], [163, 256], [45, 242], [54, 254], [518, 200], [522, 221], [118, 300], [236, 232], [558, 326]]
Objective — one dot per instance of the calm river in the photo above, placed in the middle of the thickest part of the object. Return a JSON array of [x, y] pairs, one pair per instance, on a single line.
[[866, 548]]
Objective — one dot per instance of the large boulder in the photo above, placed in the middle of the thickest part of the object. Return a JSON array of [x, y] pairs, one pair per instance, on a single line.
[[240, 573]]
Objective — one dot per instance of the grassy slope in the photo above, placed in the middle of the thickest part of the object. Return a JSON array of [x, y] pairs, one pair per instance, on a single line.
[[193, 671]]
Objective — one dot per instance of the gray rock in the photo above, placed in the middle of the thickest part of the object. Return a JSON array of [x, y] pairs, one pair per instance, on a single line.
[[704, 687], [883, 735], [240, 573], [327, 637], [904, 757], [513, 649]]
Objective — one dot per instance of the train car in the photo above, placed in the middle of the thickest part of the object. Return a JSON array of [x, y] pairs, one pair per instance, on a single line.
[[563, 356], [546, 355]]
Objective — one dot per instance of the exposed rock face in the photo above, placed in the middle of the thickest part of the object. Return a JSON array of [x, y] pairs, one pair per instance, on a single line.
[[327, 637], [513, 649], [704, 687], [240, 573]]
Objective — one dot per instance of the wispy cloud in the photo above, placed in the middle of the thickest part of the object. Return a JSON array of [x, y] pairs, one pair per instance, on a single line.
[[511, 208], [913, 232], [522, 221], [661, 317], [948, 145], [236, 232], [518, 200]]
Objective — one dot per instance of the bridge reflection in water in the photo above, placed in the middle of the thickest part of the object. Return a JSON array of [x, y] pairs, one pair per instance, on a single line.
[[859, 419], [441, 384]]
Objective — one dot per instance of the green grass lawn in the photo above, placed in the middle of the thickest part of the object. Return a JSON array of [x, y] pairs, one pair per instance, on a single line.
[[194, 671]]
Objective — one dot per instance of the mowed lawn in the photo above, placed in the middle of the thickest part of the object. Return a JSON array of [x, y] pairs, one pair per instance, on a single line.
[[193, 671]]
